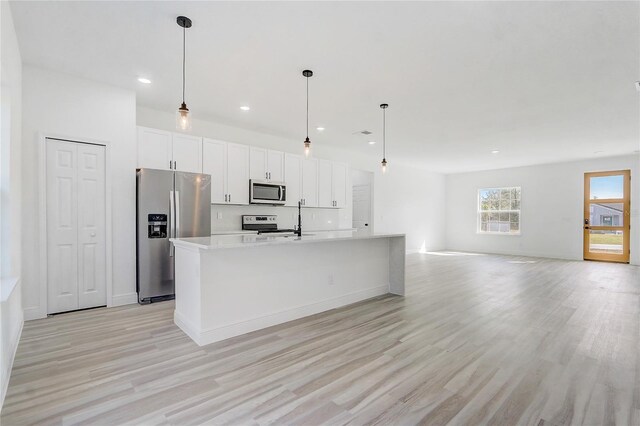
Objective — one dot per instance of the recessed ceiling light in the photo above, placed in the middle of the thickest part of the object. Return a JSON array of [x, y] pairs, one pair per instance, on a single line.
[[245, 108], [144, 80], [319, 129], [372, 142], [495, 151]]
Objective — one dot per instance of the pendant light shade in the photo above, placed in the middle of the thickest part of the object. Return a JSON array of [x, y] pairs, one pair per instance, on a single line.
[[307, 141], [384, 137], [183, 118]]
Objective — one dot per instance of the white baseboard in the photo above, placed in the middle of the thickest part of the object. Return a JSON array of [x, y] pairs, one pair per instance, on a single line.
[[207, 336], [124, 299], [33, 313], [7, 373]]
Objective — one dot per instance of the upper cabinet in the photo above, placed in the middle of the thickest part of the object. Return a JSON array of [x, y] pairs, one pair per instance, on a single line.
[[293, 179], [266, 164], [310, 182], [154, 149], [332, 184], [158, 149], [228, 165], [315, 183], [187, 153]]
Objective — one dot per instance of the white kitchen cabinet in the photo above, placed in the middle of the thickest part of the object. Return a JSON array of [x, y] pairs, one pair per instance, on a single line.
[[228, 165], [155, 149], [339, 185], [237, 173], [293, 179], [275, 165], [310, 182], [332, 184], [214, 163], [266, 164], [158, 149], [187, 153], [325, 190]]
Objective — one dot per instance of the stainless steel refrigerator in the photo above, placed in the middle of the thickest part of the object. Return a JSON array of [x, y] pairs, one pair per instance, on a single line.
[[169, 204]]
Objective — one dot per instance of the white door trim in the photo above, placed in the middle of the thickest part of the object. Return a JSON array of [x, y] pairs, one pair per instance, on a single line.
[[40, 311]]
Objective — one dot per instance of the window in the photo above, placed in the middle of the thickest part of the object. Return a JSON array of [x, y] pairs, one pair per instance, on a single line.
[[499, 210]]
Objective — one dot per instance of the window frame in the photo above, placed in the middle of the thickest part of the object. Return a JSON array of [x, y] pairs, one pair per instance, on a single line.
[[479, 212]]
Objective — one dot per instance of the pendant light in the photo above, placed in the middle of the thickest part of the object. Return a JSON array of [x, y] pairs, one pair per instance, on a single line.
[[384, 137], [307, 142], [183, 119]]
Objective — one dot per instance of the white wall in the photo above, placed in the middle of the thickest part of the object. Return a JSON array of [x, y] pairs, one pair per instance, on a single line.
[[11, 314], [79, 109], [407, 199], [551, 210]]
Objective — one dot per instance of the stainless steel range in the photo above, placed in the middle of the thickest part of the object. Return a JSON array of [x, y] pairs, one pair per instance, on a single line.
[[265, 224]]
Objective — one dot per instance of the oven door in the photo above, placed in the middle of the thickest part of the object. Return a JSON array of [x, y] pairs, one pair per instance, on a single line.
[[264, 192]]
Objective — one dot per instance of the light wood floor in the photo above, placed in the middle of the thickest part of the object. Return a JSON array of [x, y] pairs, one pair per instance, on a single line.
[[477, 340]]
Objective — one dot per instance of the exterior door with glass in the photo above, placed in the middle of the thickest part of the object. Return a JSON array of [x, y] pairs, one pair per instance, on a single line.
[[607, 215]]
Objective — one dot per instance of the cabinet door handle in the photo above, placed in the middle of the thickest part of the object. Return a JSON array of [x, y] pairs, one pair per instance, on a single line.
[[175, 165], [229, 197], [269, 175], [170, 168], [225, 198]]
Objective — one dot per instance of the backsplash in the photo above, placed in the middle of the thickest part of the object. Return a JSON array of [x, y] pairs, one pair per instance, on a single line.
[[229, 218]]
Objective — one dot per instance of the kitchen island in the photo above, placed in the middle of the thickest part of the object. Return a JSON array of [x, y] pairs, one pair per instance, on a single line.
[[228, 285]]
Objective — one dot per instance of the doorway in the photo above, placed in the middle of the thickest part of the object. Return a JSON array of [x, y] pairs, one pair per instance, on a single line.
[[76, 264], [607, 216], [362, 200]]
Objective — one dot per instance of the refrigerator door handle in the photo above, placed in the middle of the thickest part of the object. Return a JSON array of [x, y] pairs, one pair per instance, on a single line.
[[177, 222], [172, 222]]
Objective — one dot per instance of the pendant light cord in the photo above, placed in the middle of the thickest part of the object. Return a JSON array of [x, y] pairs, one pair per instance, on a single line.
[[384, 133], [184, 58], [307, 107]]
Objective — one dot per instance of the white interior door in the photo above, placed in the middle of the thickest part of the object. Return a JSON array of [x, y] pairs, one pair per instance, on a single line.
[[62, 226], [76, 240], [92, 268], [362, 207]]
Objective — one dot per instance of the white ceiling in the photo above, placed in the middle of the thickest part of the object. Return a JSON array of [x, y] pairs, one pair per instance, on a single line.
[[538, 81]]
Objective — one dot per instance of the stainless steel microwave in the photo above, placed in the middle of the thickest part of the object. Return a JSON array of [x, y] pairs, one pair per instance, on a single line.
[[266, 192]]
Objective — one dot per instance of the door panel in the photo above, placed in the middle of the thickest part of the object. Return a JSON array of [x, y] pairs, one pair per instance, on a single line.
[[258, 163], [324, 184], [293, 179], [310, 182], [154, 148], [92, 270], [339, 184], [607, 216], [193, 205], [187, 153], [62, 226], [275, 165], [238, 173], [361, 207], [214, 163]]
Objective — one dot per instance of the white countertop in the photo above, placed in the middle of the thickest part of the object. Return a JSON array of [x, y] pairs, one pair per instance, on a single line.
[[215, 242]]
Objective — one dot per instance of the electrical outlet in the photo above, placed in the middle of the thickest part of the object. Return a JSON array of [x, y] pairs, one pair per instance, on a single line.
[[219, 215]]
